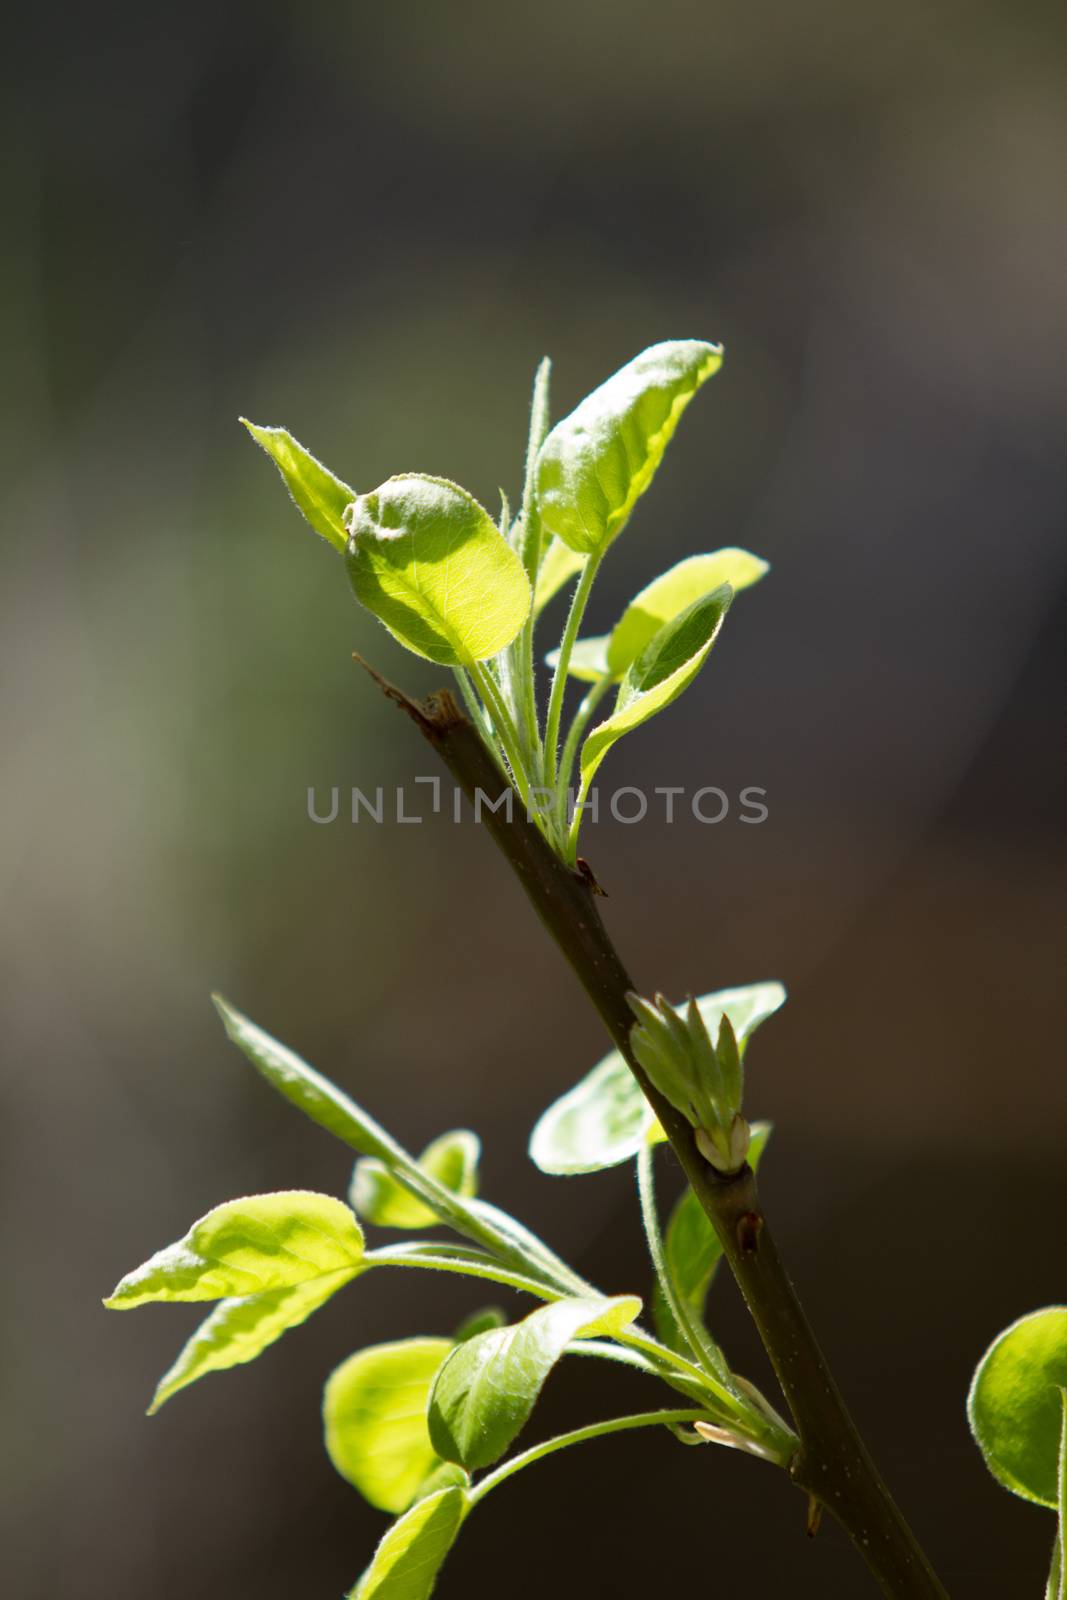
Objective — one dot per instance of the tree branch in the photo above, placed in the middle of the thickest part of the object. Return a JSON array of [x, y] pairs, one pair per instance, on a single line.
[[831, 1465]]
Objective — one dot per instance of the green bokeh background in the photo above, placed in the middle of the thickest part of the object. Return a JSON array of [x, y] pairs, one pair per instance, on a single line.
[[368, 223]]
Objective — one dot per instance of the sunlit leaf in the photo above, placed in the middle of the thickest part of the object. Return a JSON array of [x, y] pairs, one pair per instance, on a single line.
[[320, 496], [693, 1252], [669, 595], [588, 659], [558, 565], [597, 462], [666, 666], [374, 1413], [1014, 1406], [431, 564], [488, 1387], [303, 1087], [247, 1247], [605, 1119], [407, 1561], [378, 1197], [238, 1330]]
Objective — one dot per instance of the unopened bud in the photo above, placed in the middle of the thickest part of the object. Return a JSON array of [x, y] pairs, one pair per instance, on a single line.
[[726, 1152]]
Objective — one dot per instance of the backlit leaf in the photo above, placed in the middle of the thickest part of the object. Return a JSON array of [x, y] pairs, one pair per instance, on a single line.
[[239, 1330], [303, 1087], [669, 595], [377, 1197], [247, 1247], [431, 564], [666, 666], [597, 462], [406, 1563], [320, 496], [374, 1413], [588, 659], [558, 565], [489, 1385], [1014, 1406], [605, 1119]]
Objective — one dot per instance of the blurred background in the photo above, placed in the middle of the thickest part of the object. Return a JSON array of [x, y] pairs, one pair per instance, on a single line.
[[368, 223]]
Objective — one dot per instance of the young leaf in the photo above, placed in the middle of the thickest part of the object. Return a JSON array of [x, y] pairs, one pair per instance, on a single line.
[[489, 1385], [406, 1563], [320, 496], [239, 1330], [558, 565], [432, 565], [605, 1119], [1014, 1406], [588, 660], [669, 595], [374, 1412], [597, 462], [247, 1247], [692, 1251], [661, 672], [377, 1197], [479, 1322], [601, 1122], [303, 1087]]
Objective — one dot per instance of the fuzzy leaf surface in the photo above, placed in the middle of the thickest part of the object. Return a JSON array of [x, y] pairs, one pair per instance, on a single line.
[[432, 565]]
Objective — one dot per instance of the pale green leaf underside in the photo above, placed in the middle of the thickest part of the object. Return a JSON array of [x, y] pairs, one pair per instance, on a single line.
[[589, 659], [407, 1561], [320, 496], [605, 1119], [665, 668], [377, 1197], [238, 1330], [302, 1086], [558, 565], [668, 596], [247, 1247], [1014, 1405], [374, 1415], [692, 1250], [596, 463], [488, 1387], [431, 564]]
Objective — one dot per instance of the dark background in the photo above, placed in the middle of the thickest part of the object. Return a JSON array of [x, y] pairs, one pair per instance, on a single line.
[[368, 223]]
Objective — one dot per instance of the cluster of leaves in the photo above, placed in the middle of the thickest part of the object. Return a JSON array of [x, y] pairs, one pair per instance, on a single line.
[[416, 1425], [412, 1424], [458, 589]]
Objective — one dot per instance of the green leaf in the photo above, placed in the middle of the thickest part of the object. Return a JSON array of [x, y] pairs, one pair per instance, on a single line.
[[597, 462], [1057, 1585], [238, 1330], [558, 565], [589, 659], [407, 1561], [661, 672], [692, 1251], [669, 595], [605, 1119], [1014, 1406], [378, 1197], [479, 1322], [247, 1247], [320, 496], [488, 1387], [305, 1088], [431, 564], [374, 1412]]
